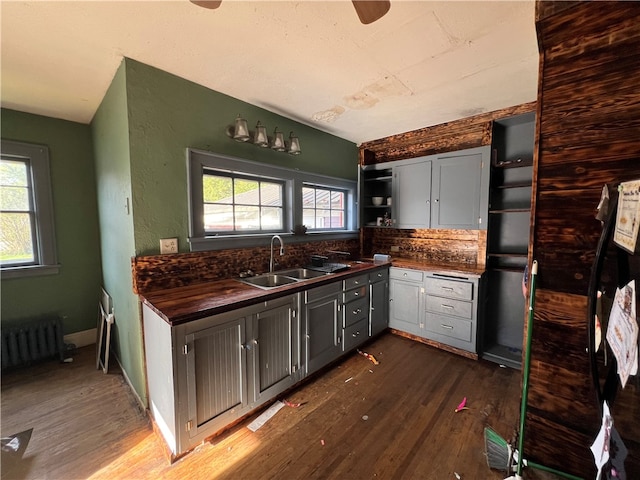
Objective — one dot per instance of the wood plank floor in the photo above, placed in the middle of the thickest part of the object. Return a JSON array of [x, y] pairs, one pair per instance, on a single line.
[[394, 420]]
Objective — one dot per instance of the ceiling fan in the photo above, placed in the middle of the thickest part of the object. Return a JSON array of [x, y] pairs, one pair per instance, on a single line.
[[368, 10]]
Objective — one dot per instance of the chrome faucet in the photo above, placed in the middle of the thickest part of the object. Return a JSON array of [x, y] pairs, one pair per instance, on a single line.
[[281, 250]]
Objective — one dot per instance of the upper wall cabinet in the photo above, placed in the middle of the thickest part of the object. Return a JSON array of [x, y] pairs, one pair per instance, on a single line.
[[436, 191]]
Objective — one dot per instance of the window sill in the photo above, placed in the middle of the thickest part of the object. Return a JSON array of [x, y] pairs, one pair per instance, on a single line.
[[29, 271], [225, 242]]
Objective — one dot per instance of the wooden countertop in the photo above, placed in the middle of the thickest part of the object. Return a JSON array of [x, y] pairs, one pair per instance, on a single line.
[[183, 304], [444, 268]]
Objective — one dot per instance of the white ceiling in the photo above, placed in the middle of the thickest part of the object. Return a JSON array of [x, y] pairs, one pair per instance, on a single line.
[[422, 64]]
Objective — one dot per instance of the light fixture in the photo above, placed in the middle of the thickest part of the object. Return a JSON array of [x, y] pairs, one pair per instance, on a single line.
[[278, 141], [294, 144], [241, 132], [260, 137]]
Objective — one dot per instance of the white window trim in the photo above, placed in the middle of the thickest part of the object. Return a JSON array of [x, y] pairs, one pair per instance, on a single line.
[[197, 160], [38, 156]]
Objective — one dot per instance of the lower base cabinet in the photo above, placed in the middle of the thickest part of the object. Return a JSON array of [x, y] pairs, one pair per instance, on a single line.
[[323, 323], [435, 306], [378, 301]]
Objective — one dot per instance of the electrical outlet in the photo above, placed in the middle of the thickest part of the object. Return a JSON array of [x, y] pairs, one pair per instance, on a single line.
[[168, 245], [395, 248]]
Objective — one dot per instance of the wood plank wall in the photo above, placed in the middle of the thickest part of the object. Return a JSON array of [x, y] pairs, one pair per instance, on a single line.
[[587, 134]]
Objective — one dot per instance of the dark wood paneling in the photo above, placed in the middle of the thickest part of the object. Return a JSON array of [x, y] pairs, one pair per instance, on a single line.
[[446, 137], [588, 135]]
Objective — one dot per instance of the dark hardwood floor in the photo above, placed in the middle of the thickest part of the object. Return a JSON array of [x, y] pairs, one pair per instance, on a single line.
[[395, 420]]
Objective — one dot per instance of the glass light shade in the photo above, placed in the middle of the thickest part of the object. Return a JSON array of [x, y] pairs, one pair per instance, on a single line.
[[241, 131], [294, 145], [278, 141], [260, 137]]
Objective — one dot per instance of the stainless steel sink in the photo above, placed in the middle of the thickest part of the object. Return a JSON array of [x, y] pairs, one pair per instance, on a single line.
[[281, 278], [271, 280], [301, 273]]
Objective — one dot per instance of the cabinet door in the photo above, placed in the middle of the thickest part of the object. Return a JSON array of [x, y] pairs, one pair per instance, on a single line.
[[456, 192], [412, 195], [216, 365], [379, 307], [405, 306], [323, 329], [275, 356]]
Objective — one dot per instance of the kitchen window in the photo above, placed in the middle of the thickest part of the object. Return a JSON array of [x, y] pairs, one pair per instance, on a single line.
[[27, 238], [236, 203]]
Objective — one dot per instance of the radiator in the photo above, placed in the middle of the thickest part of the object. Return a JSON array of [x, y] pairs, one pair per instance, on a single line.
[[31, 341]]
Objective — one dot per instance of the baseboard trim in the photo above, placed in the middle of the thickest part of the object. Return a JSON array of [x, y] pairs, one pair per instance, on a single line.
[[141, 404], [83, 338]]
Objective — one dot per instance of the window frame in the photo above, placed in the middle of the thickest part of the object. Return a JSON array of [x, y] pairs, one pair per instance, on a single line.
[[199, 160], [37, 159], [331, 190]]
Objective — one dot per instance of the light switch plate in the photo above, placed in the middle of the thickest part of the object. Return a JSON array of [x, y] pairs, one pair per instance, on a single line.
[[168, 245]]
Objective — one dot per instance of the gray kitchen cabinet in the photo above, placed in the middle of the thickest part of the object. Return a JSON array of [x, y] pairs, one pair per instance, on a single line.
[[355, 318], [323, 325], [459, 191], [378, 301], [406, 311], [276, 361], [204, 374], [451, 305], [412, 194]]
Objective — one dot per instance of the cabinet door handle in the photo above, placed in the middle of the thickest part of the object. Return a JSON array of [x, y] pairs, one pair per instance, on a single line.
[[448, 327]]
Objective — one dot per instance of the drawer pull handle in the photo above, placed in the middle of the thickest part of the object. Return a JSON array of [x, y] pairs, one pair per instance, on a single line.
[[448, 327], [379, 275], [448, 289], [446, 306], [357, 311], [355, 294], [355, 334]]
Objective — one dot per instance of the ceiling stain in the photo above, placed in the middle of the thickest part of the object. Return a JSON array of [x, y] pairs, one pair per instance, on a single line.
[[389, 86], [328, 116]]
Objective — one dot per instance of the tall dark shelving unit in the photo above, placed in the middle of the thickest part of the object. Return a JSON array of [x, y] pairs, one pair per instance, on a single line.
[[508, 239]]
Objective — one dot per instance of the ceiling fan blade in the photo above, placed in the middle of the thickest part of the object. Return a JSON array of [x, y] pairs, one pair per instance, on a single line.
[[211, 4], [371, 10]]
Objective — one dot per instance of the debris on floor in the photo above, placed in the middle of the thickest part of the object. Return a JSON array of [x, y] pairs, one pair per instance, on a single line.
[[462, 405], [265, 416], [369, 356], [348, 379], [292, 405]]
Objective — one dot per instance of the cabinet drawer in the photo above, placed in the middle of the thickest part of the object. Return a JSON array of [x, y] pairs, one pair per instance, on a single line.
[[449, 306], [379, 276], [322, 292], [449, 288], [354, 282], [450, 327], [355, 311], [355, 335], [356, 293], [406, 274]]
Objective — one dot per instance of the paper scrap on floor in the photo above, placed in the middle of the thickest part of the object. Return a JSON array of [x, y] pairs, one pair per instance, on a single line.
[[266, 415]]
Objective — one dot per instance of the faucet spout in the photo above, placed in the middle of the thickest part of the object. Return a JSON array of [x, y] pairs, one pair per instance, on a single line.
[[273, 239]]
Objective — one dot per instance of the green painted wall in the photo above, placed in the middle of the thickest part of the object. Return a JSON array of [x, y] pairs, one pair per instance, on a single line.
[[167, 114], [110, 129], [73, 293]]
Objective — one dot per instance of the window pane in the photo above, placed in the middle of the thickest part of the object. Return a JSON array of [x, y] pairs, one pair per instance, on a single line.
[[247, 217], [14, 173], [216, 189], [218, 218], [309, 217], [14, 198], [246, 192], [16, 242], [337, 219], [322, 198], [271, 194], [271, 218], [308, 197], [337, 200], [323, 219]]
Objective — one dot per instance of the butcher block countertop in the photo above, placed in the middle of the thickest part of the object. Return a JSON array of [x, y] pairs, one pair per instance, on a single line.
[[183, 304]]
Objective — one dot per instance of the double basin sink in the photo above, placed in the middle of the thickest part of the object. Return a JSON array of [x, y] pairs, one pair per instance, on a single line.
[[282, 277]]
